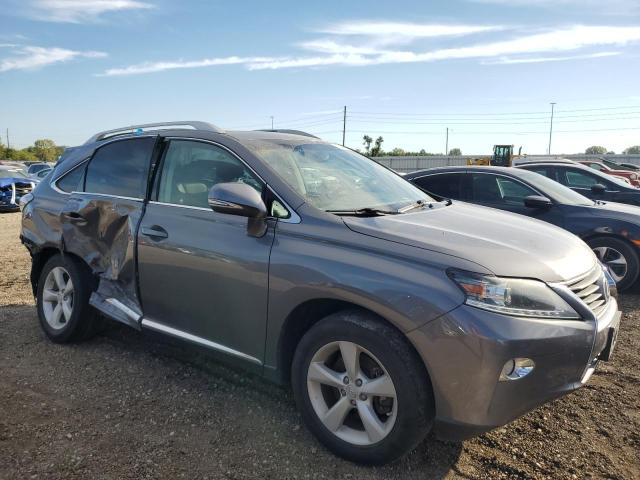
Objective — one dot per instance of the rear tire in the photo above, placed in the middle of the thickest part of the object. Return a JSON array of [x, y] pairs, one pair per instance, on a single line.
[[62, 300], [379, 415], [620, 257]]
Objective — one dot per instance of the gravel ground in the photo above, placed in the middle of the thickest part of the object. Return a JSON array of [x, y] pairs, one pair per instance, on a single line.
[[127, 405]]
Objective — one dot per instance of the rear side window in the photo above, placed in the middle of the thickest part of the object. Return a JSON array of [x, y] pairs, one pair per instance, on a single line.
[[445, 185], [72, 181], [121, 168], [547, 172]]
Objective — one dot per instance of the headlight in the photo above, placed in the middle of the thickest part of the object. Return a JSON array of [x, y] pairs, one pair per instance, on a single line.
[[512, 296]]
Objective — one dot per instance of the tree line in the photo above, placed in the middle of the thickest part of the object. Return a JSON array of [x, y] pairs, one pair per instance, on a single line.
[[598, 150], [43, 150], [374, 149]]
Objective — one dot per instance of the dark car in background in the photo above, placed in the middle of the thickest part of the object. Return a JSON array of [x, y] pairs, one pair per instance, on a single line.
[[34, 168], [14, 184], [587, 181], [388, 312], [612, 230]]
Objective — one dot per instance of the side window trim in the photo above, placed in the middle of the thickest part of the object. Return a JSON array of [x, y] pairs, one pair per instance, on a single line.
[[293, 215], [54, 182]]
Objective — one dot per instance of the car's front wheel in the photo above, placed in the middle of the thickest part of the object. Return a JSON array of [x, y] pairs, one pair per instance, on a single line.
[[620, 258], [361, 388], [62, 298]]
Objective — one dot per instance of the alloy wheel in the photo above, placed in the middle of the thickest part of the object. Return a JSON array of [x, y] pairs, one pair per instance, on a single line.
[[352, 393], [614, 260], [57, 298]]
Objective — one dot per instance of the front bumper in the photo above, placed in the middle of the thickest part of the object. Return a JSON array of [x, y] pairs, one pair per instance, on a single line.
[[466, 349]]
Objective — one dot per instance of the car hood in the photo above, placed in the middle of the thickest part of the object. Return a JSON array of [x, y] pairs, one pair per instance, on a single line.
[[5, 181], [506, 244], [619, 211]]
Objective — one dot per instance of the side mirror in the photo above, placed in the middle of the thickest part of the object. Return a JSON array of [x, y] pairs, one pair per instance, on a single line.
[[243, 201], [537, 201], [598, 188]]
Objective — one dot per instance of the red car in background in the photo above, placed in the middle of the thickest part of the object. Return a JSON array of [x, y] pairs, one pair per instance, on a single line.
[[632, 177]]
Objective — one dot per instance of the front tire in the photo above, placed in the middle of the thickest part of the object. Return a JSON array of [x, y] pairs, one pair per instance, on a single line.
[[361, 388], [62, 299], [620, 258]]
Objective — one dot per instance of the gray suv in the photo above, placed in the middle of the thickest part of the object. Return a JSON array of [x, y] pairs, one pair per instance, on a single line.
[[388, 312]]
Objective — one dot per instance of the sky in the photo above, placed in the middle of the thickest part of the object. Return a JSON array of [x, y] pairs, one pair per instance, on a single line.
[[486, 70]]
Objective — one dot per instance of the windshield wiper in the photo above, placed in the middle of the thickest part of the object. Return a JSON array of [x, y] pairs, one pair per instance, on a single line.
[[363, 212]]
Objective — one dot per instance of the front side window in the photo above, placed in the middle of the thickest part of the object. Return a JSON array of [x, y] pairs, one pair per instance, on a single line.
[[489, 188], [445, 185], [190, 169], [121, 168], [578, 179], [334, 178]]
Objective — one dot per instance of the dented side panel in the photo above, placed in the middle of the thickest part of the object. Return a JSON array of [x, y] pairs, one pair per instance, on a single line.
[[101, 229]]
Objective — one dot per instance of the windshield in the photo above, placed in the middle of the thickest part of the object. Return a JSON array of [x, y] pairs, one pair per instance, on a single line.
[[556, 191], [12, 174], [334, 178]]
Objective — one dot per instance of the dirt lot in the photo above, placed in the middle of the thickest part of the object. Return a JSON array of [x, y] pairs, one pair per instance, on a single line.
[[126, 405]]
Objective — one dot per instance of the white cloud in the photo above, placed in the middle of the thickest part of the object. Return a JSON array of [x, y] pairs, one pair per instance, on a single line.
[[30, 57], [153, 67], [614, 7], [511, 61], [413, 30], [79, 11], [378, 48]]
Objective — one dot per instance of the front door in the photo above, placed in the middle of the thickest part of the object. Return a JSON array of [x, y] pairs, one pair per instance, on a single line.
[[202, 277], [507, 193]]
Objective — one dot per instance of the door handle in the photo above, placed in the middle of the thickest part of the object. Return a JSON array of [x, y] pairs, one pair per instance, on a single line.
[[74, 217], [155, 231]]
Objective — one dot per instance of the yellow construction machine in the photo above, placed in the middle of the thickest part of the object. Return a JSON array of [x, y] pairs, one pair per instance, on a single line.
[[502, 157]]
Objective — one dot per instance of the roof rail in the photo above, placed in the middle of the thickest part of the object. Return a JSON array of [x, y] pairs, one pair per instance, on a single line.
[[285, 130], [196, 125]]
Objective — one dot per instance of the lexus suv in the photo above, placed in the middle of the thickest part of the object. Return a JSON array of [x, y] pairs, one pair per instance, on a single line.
[[389, 313]]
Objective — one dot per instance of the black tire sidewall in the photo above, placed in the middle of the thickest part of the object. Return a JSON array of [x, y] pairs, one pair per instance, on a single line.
[[630, 255], [415, 409], [81, 292]]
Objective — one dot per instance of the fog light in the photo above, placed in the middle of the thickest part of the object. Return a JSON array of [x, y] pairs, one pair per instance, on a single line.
[[516, 368]]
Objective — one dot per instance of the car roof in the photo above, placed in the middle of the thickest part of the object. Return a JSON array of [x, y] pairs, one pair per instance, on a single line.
[[462, 169]]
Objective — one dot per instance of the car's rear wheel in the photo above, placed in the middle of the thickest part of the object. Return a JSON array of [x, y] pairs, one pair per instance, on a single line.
[[620, 258], [62, 297], [361, 389]]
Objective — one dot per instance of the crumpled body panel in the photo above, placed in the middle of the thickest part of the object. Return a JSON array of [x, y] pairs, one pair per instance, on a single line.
[[102, 231]]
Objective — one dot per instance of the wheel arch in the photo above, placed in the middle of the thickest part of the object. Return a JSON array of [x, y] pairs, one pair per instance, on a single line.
[[41, 257], [306, 315]]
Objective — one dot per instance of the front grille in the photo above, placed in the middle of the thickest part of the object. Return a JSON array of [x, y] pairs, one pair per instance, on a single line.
[[592, 290], [22, 188]]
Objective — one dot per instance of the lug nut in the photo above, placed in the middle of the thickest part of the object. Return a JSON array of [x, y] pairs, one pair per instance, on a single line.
[[353, 402], [363, 397], [346, 380], [343, 392], [358, 382]]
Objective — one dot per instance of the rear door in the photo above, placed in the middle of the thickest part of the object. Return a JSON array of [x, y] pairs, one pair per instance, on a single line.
[[100, 218], [202, 277]]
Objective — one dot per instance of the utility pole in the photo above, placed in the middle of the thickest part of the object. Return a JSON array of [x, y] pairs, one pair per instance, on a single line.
[[271, 122], [446, 148], [551, 127], [344, 124], [8, 144]]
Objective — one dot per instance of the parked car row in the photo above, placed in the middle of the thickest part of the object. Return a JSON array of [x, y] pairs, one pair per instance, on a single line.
[[388, 312], [612, 230]]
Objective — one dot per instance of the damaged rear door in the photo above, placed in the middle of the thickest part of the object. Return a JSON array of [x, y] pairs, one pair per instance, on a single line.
[[99, 223]]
